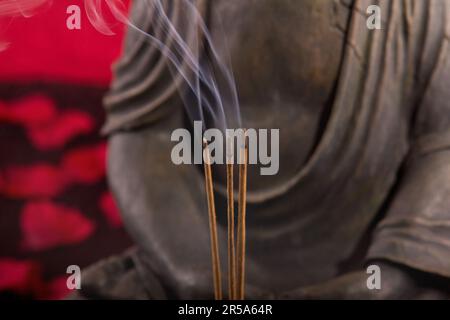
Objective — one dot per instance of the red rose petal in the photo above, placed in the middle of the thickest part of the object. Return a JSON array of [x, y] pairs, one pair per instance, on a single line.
[[30, 112], [20, 277], [56, 289], [46, 128], [40, 180], [110, 210], [46, 225], [61, 130], [86, 165]]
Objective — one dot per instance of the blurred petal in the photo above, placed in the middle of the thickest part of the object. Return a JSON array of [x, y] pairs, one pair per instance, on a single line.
[[61, 130], [29, 112], [47, 225], [110, 210], [40, 180], [20, 277], [56, 289], [86, 165]]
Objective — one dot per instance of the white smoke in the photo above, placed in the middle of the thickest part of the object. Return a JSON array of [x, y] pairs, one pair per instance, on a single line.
[[208, 78], [24, 8]]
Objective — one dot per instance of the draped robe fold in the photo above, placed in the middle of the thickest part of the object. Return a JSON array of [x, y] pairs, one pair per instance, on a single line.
[[380, 170]]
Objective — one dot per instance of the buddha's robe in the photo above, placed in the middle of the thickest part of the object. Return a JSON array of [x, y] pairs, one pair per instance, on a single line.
[[365, 154]]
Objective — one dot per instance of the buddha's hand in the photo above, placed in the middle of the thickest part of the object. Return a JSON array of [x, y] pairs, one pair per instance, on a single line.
[[397, 282]]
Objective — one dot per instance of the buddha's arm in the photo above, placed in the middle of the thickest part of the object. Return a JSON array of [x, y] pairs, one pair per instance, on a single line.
[[416, 230], [412, 243], [162, 206], [397, 282]]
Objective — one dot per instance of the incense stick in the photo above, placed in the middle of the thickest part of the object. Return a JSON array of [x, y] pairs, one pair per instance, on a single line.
[[240, 288], [231, 245], [212, 224]]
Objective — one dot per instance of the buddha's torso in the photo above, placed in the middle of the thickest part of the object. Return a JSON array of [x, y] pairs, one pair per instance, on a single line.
[[285, 56]]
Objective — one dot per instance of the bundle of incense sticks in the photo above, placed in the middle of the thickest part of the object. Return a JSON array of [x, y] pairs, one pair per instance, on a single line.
[[236, 260]]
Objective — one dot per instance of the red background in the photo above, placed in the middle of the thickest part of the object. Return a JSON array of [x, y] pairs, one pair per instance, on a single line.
[[55, 208]]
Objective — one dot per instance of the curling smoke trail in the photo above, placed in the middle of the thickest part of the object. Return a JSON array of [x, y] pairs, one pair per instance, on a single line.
[[25, 8], [208, 78], [206, 73], [18, 8], [212, 97]]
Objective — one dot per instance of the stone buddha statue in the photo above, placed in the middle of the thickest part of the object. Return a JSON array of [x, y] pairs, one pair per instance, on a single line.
[[364, 178]]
